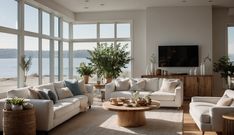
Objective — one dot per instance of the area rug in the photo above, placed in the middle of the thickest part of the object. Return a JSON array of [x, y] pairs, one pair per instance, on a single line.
[[98, 121]]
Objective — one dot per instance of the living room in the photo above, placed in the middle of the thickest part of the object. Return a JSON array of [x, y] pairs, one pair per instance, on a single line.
[[52, 32]]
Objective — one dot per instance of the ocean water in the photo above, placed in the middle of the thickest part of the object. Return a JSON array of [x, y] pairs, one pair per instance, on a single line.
[[8, 67]]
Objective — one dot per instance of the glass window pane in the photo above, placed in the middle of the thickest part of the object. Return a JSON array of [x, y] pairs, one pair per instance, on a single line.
[[45, 23], [30, 18], [107, 31], [9, 14], [85, 31], [31, 49], [56, 26], [65, 30], [80, 54], [45, 61], [8, 62], [123, 30], [56, 60], [231, 43], [126, 71], [65, 60]]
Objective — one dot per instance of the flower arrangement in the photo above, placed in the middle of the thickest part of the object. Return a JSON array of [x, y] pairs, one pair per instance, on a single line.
[[17, 104]]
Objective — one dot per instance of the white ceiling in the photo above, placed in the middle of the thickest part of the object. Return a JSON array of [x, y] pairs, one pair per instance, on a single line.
[[112, 5]]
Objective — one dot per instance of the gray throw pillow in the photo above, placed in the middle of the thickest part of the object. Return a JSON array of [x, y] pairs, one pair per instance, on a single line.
[[51, 95], [43, 95], [73, 86]]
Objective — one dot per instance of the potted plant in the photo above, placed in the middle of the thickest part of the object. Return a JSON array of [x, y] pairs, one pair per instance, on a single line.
[[16, 103], [224, 67], [86, 71], [109, 59], [26, 63]]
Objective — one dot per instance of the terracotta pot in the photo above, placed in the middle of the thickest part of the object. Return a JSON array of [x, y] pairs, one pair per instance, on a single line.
[[86, 79], [109, 80]]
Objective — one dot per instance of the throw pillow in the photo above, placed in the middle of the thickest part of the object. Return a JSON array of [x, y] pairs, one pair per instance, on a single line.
[[43, 95], [169, 85], [224, 101], [122, 84], [58, 86], [73, 86], [151, 84], [33, 93], [51, 95], [81, 85], [137, 84], [64, 93]]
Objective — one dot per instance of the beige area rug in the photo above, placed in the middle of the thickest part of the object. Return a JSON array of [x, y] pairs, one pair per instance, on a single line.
[[98, 121]]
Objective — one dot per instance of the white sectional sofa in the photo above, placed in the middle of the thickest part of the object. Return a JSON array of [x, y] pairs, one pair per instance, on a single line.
[[48, 114], [151, 87], [207, 111]]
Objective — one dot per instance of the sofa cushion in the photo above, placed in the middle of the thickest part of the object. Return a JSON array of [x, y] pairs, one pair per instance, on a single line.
[[201, 111], [20, 92], [83, 100], [151, 84], [224, 101], [64, 106], [73, 86], [163, 96], [47, 86], [122, 84], [64, 93], [137, 84], [169, 85], [58, 86]]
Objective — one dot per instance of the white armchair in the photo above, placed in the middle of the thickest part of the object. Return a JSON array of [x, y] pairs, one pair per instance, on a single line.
[[207, 115]]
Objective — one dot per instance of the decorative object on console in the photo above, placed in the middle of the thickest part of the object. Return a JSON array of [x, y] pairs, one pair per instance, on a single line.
[[203, 65], [109, 60], [86, 71], [153, 61]]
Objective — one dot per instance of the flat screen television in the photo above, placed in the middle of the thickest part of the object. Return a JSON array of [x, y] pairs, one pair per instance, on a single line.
[[178, 56]]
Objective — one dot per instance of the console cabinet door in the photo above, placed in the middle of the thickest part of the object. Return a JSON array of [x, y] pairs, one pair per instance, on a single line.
[[190, 87], [205, 85]]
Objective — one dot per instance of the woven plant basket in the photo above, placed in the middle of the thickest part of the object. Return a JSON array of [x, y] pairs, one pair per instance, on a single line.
[[22, 122]]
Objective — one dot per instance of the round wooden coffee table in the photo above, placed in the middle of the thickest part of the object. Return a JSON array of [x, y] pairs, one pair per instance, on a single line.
[[131, 116]]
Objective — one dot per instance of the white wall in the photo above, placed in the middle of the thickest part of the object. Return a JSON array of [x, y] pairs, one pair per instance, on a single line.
[[179, 25], [139, 32]]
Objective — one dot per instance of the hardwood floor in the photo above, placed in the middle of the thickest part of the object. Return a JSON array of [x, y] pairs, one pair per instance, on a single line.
[[189, 126]]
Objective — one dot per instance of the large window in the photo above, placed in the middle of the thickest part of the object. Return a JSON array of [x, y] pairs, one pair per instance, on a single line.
[[86, 38], [56, 60], [9, 19], [65, 60], [31, 50], [45, 23], [65, 30], [56, 26], [30, 18], [231, 43], [8, 61], [45, 61]]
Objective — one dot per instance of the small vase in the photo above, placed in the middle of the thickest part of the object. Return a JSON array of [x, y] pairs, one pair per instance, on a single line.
[[148, 71], [16, 107]]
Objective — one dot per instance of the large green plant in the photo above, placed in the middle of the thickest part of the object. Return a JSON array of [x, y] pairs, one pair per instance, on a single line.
[[85, 69], [109, 59], [224, 67]]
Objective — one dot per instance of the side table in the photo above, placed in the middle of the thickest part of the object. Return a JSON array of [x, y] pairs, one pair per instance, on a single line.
[[22, 122], [101, 87], [228, 125]]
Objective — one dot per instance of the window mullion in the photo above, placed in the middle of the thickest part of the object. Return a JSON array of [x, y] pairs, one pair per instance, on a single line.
[[40, 46]]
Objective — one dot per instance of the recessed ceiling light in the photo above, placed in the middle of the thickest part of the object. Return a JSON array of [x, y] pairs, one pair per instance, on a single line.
[[86, 0], [86, 7], [210, 0], [183, 0], [102, 4]]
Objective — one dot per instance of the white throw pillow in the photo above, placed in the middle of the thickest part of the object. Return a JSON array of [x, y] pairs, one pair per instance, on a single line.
[[122, 84], [64, 93], [151, 84], [137, 84], [224, 101], [81, 85], [169, 85]]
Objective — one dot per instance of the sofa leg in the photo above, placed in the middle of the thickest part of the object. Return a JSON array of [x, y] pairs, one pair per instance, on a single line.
[[203, 132], [42, 133], [219, 133], [90, 107]]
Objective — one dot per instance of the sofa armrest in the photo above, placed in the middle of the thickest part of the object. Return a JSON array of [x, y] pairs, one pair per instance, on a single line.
[[213, 100], [216, 116], [179, 95], [44, 113], [109, 88]]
